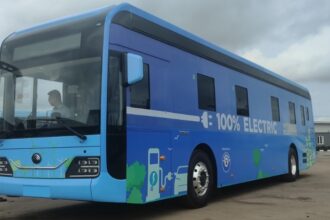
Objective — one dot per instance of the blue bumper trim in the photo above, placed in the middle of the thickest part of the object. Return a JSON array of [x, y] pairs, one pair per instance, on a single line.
[[101, 189], [72, 189]]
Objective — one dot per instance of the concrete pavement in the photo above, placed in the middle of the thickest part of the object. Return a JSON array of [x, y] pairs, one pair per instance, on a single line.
[[307, 198]]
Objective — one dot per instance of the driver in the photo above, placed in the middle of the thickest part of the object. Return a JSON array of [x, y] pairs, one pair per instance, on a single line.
[[55, 100]]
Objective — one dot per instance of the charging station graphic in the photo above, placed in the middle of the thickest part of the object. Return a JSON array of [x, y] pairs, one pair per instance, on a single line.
[[157, 180], [153, 174]]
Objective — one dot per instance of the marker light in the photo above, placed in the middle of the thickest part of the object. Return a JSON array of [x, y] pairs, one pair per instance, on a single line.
[[84, 167], [5, 168]]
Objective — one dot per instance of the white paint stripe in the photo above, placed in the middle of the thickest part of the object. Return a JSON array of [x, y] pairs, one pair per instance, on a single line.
[[162, 114]]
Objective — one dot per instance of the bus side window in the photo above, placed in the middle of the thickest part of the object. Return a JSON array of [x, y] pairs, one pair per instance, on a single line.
[[242, 101], [140, 92], [206, 92], [302, 113], [292, 111], [307, 114], [275, 108]]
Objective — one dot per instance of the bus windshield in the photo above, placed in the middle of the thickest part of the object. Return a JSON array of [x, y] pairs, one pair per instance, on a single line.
[[49, 75]]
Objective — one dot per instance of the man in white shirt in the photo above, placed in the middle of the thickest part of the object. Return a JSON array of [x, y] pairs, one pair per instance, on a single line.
[[55, 100]]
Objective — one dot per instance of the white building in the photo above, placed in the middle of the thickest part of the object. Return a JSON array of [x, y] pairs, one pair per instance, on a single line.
[[322, 132]]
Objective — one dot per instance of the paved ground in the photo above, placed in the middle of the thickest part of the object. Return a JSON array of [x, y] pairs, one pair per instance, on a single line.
[[307, 198]]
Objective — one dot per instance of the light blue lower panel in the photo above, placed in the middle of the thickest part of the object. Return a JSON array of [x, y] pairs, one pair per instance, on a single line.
[[75, 189], [107, 189]]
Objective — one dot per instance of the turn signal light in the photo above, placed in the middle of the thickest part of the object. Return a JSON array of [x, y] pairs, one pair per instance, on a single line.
[[5, 168], [84, 167]]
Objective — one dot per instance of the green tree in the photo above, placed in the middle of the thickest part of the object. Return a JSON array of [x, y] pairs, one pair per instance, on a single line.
[[136, 174]]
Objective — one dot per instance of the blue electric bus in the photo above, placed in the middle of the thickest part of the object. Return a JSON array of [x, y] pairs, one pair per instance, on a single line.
[[116, 105]]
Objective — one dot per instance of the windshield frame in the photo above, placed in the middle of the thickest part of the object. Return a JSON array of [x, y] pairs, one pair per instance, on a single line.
[[98, 20]]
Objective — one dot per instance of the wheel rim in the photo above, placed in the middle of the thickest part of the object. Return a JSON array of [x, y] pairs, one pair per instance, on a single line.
[[201, 179], [293, 165]]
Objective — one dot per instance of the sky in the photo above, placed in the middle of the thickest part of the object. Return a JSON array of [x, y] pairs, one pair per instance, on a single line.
[[291, 38]]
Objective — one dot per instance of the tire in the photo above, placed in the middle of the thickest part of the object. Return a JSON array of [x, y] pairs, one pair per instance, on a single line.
[[293, 166], [200, 180]]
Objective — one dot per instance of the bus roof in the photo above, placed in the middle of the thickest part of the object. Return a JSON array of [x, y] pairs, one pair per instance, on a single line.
[[140, 21]]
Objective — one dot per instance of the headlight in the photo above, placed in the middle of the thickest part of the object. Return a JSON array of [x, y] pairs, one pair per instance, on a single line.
[[84, 167], [5, 168]]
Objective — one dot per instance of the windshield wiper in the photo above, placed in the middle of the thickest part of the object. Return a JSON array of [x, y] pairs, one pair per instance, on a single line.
[[62, 122]]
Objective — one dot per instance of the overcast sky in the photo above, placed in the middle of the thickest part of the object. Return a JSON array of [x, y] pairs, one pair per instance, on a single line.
[[291, 38]]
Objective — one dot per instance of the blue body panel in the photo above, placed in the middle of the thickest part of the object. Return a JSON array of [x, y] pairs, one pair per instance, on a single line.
[[255, 152], [160, 140]]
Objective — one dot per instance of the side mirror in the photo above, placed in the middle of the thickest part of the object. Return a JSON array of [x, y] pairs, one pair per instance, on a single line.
[[134, 68]]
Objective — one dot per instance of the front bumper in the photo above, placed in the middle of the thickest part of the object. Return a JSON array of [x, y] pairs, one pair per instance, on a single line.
[[73, 189], [101, 189]]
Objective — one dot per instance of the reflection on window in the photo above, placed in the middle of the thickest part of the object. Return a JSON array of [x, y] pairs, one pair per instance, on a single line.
[[302, 113], [67, 90], [48, 47], [2, 87], [275, 109], [23, 96], [115, 92], [206, 92], [292, 111], [307, 113], [140, 91], [65, 59]]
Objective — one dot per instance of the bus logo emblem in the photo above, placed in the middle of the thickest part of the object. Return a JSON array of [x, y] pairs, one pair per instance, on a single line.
[[36, 158], [226, 162]]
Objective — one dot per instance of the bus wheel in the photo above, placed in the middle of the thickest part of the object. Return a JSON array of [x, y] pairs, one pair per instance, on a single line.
[[200, 180], [293, 171]]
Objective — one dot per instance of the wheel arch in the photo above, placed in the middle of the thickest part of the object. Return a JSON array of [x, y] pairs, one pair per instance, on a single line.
[[208, 150], [294, 147]]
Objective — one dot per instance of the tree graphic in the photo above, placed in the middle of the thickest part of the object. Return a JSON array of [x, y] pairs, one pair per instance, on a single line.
[[256, 161], [136, 174]]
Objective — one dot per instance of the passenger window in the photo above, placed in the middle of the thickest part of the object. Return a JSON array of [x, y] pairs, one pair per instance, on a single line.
[[302, 112], [140, 92], [292, 111], [307, 113], [206, 93], [275, 109], [242, 101]]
